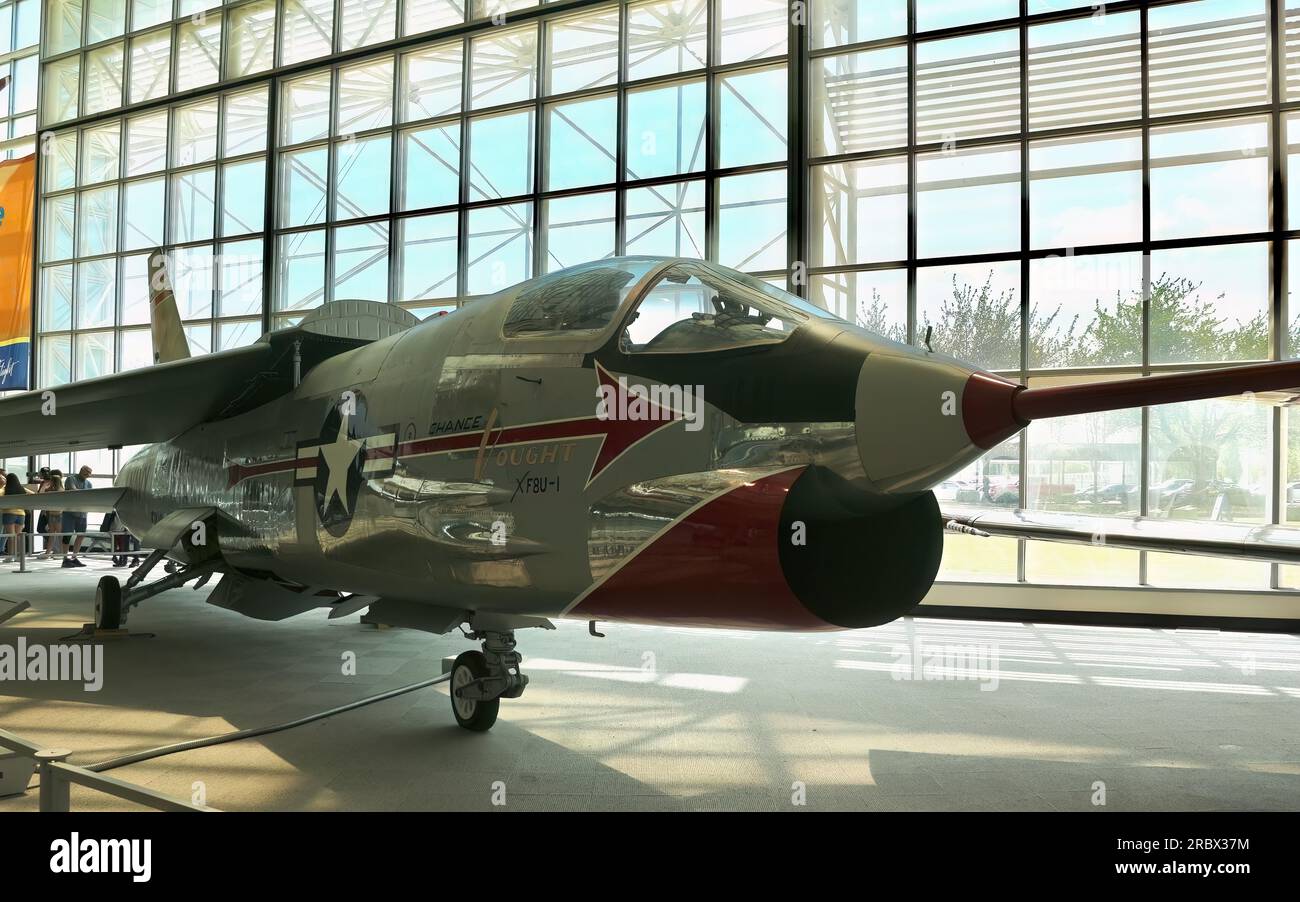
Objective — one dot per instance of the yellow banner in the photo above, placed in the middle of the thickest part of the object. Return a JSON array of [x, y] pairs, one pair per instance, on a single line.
[[17, 214]]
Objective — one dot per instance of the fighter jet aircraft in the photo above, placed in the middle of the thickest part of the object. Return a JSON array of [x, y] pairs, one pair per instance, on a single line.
[[642, 440]]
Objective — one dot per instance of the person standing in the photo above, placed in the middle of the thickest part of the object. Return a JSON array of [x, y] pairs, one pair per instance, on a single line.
[[13, 516], [53, 518], [75, 521]]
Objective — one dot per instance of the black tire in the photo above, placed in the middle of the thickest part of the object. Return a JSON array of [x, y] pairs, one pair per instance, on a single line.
[[108, 604], [472, 715]]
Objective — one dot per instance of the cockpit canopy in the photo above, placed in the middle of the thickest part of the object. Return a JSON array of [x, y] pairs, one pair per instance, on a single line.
[[690, 306]]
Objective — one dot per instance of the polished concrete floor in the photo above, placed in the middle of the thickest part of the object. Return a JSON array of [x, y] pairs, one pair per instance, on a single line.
[[1041, 718]]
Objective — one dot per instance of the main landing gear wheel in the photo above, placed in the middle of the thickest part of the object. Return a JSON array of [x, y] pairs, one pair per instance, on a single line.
[[478, 716], [108, 604]]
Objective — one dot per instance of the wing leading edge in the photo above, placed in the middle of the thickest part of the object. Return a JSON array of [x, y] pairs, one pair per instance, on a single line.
[[138, 407], [1240, 541]]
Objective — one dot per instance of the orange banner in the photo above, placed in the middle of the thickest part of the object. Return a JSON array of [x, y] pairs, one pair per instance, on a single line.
[[17, 214]]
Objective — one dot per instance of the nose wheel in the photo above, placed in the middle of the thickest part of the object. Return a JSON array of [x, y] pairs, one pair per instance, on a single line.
[[479, 680]]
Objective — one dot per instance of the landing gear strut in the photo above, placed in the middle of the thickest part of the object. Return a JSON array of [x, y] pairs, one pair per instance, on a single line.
[[479, 680], [113, 601]]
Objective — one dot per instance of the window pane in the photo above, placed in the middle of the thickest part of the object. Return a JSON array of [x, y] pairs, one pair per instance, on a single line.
[[104, 78], [971, 559], [60, 88], [94, 355], [503, 67], [104, 20], [753, 117], [241, 279], [431, 167], [583, 51], [362, 177], [243, 197], [100, 153], [97, 222], [137, 350], [666, 36], [581, 145], [500, 247], [753, 29], [61, 161], [932, 14], [861, 209], [246, 115], [365, 97], [149, 12], [56, 298], [62, 26], [251, 46], [238, 334], [303, 185], [431, 82], [361, 262], [968, 87], [135, 293], [428, 256], [968, 201], [1212, 458], [367, 22], [301, 283], [146, 201], [58, 224], [55, 361], [427, 15], [1208, 55], [146, 143], [501, 156], [1084, 465], [1089, 464], [837, 22], [150, 66], [193, 205], [1210, 304], [306, 108], [1209, 179], [196, 134], [665, 130], [752, 221], [1086, 311], [96, 293], [1085, 70], [859, 102], [1086, 190], [666, 220], [579, 229], [308, 30], [974, 310], [193, 281], [199, 46], [876, 301]]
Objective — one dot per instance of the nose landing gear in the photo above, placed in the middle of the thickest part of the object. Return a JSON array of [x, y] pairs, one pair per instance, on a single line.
[[479, 680]]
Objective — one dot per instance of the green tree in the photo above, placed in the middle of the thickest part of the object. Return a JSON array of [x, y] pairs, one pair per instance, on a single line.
[[1202, 442]]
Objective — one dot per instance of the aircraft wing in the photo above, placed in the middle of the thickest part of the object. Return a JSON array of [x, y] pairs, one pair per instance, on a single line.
[[137, 407], [1241, 541]]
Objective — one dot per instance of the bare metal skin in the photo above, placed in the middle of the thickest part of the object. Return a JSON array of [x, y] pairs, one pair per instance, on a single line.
[[647, 440]]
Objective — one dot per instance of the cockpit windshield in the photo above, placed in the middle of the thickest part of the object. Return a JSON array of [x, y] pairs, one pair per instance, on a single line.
[[696, 307], [583, 299]]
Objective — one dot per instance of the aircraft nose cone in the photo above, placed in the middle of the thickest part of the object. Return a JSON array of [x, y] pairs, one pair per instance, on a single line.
[[920, 417]]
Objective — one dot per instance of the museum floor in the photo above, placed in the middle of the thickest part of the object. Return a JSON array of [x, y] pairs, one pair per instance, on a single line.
[[672, 719]]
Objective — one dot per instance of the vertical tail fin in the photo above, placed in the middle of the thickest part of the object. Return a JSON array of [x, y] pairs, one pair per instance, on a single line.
[[168, 334]]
